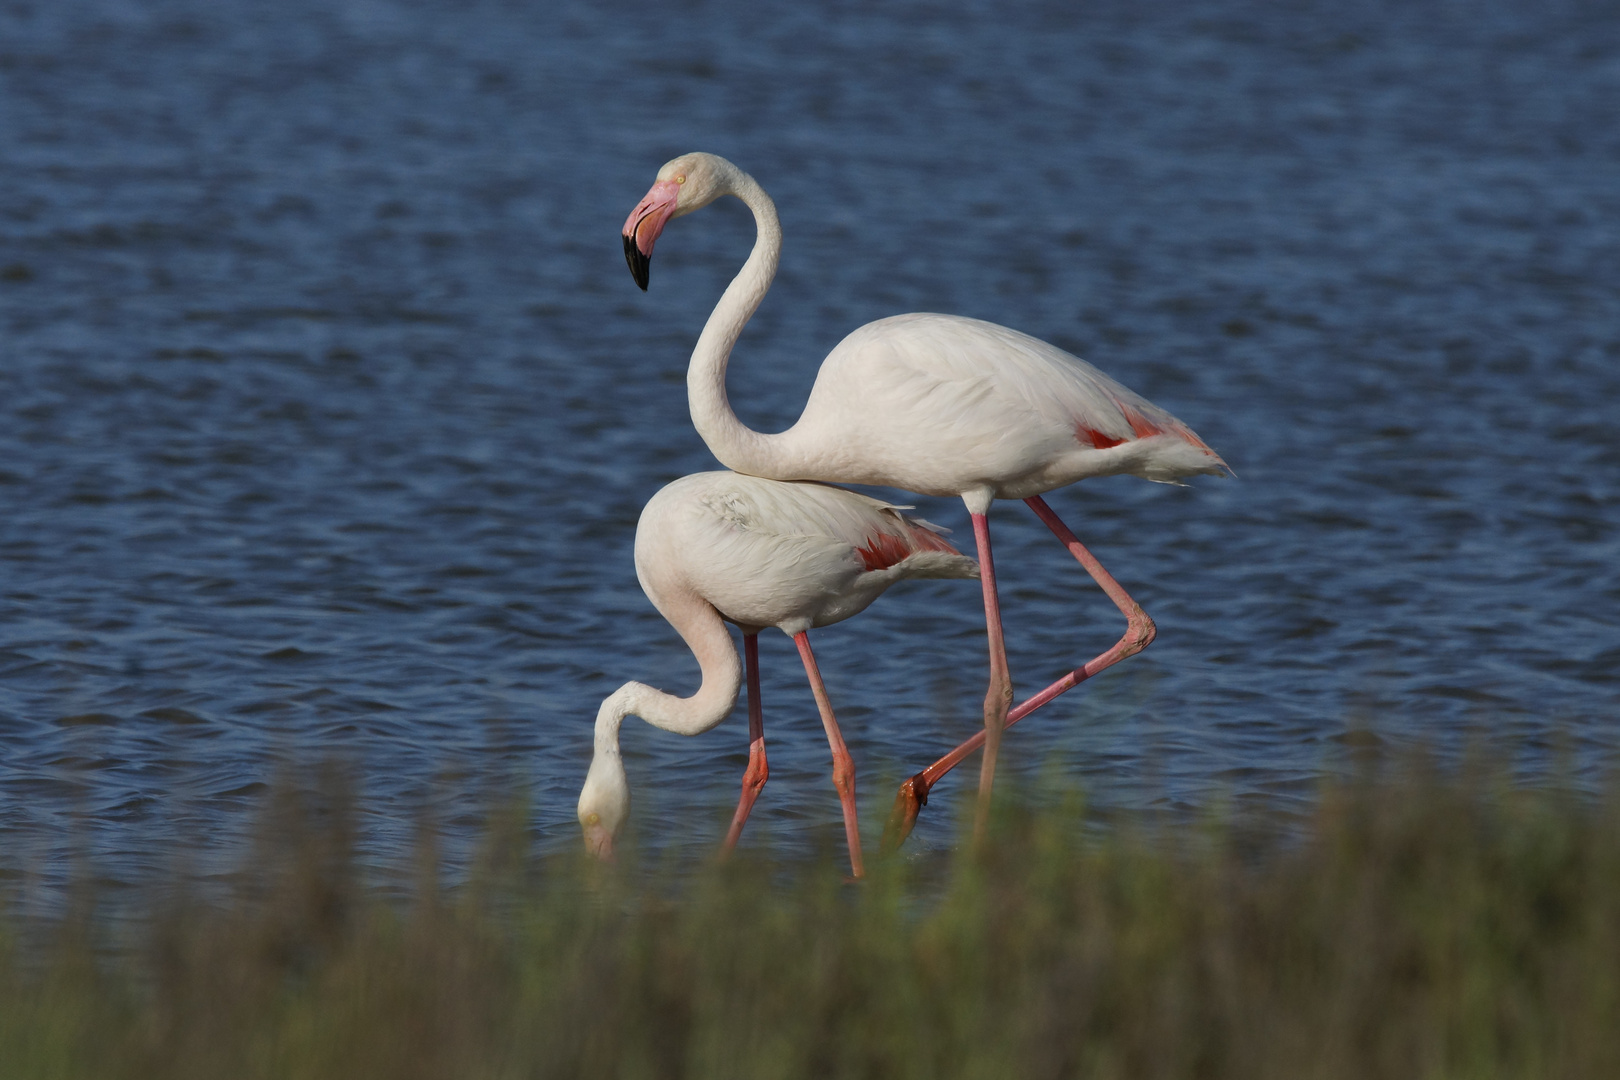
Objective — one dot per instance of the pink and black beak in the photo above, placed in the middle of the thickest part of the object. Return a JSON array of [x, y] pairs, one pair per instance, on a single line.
[[642, 227]]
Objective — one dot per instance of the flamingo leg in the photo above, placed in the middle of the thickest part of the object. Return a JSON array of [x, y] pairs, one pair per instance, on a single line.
[[1139, 634], [843, 764], [758, 771], [998, 698]]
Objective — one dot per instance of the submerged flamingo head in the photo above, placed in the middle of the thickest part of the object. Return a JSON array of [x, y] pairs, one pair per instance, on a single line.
[[598, 841], [603, 808], [690, 182], [604, 804]]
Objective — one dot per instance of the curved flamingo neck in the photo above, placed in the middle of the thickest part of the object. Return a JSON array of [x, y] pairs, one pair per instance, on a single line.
[[737, 446], [705, 634], [606, 795]]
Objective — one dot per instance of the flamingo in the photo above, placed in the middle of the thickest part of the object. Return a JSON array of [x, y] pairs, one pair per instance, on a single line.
[[936, 404], [719, 547]]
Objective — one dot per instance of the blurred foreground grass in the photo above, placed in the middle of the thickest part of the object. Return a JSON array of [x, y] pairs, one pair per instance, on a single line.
[[1419, 925]]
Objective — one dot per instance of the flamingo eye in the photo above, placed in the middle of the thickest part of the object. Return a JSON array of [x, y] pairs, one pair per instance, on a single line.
[[592, 819], [681, 179]]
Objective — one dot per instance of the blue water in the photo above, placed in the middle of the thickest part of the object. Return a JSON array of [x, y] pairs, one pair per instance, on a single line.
[[327, 404]]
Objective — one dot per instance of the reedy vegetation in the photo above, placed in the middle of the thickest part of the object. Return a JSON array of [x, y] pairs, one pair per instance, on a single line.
[[1416, 925]]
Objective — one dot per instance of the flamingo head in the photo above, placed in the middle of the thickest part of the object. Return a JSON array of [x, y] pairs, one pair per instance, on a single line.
[[690, 182], [604, 804]]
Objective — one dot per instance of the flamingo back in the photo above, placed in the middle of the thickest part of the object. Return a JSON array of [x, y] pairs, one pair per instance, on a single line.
[[791, 555]]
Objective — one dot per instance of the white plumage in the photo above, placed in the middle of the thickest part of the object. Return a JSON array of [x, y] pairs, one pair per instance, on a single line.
[[793, 556], [720, 546], [914, 402]]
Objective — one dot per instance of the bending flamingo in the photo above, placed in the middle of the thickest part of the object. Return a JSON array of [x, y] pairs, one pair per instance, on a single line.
[[937, 404], [718, 546]]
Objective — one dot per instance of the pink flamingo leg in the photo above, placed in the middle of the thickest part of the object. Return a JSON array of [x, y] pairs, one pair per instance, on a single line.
[[998, 698], [1139, 634], [758, 771], [843, 764]]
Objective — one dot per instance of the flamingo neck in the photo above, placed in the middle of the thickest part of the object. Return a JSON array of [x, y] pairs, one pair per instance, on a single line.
[[607, 788], [737, 446], [705, 634]]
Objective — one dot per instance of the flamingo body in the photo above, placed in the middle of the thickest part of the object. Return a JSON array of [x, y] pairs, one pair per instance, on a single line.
[[719, 546], [792, 556], [944, 405]]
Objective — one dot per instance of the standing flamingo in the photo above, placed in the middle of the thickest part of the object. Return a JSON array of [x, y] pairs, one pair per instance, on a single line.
[[719, 546], [937, 404]]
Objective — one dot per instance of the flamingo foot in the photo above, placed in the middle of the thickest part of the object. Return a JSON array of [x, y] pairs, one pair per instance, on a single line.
[[911, 798]]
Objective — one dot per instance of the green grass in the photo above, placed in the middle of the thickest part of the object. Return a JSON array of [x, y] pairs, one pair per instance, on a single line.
[[1416, 926]]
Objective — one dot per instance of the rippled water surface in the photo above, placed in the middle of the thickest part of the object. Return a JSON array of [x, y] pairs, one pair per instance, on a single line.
[[327, 405]]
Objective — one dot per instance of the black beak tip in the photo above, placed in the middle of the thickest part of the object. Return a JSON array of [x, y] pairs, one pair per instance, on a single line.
[[639, 263]]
